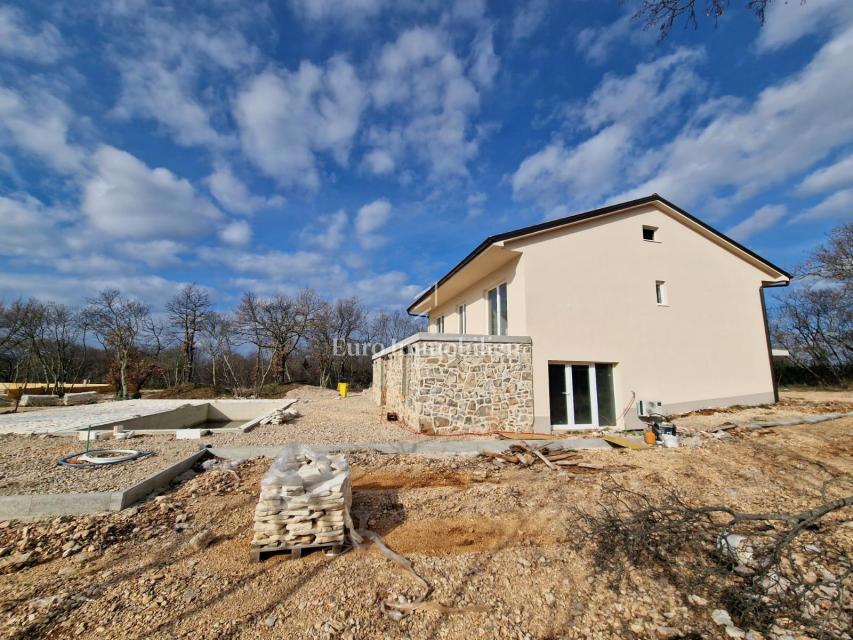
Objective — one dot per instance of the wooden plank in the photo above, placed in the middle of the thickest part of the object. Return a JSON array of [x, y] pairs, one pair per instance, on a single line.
[[256, 554], [619, 441]]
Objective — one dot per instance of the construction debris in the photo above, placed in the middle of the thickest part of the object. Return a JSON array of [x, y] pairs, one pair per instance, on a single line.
[[83, 397], [525, 455], [305, 501], [280, 416], [627, 443]]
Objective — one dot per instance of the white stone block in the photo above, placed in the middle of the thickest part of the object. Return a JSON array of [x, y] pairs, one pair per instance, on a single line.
[[93, 435], [28, 400], [191, 434], [83, 397]]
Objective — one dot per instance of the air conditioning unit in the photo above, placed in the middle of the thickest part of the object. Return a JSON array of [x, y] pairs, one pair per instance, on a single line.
[[649, 408]]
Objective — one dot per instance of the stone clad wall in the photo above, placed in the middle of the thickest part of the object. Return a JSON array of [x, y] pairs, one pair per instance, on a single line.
[[467, 386]]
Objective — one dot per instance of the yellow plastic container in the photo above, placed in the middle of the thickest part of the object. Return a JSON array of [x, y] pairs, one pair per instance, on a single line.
[[342, 389]]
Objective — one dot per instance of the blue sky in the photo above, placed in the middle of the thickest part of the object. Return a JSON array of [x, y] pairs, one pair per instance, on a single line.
[[362, 147]]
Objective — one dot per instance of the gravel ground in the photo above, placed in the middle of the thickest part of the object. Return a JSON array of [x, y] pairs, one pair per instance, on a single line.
[[791, 404], [28, 464], [502, 540]]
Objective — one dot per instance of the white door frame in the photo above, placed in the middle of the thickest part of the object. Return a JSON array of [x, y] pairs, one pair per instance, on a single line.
[[570, 402]]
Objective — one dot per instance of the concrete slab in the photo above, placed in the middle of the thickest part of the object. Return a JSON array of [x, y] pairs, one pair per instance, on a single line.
[[427, 448], [54, 504], [136, 415]]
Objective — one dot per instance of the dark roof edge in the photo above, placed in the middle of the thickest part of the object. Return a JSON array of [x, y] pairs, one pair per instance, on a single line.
[[580, 217]]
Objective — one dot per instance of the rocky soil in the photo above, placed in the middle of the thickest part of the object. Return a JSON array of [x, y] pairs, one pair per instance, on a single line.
[[499, 541]]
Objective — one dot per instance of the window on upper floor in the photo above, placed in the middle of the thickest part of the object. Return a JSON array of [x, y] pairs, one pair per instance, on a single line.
[[460, 311], [660, 292], [497, 311], [649, 233], [439, 324]]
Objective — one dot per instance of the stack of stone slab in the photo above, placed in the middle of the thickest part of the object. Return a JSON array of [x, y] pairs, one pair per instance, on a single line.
[[305, 501]]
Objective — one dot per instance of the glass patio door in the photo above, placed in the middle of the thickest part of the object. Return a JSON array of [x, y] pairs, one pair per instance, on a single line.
[[581, 395]]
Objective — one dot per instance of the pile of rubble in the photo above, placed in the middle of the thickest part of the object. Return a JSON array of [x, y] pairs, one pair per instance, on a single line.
[[305, 500], [280, 416], [526, 456]]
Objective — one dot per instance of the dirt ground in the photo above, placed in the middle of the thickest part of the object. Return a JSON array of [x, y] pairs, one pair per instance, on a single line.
[[501, 540]]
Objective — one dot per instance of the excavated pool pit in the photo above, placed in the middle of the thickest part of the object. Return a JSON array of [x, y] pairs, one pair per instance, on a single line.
[[221, 416]]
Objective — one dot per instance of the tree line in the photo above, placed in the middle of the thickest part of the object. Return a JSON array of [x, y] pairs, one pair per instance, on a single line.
[[262, 341], [296, 338]]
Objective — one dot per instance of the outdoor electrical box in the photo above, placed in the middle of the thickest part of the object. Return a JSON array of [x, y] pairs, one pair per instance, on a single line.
[[649, 409]]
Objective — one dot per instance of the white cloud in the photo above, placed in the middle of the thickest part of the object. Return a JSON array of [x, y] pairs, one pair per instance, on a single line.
[[839, 174], [838, 205], [484, 61], [19, 40], [386, 290], [351, 12], [475, 202], [161, 72], [745, 148], [237, 233], [787, 22], [233, 194], [422, 86], [127, 199], [763, 219], [618, 112], [154, 253], [331, 231], [154, 91], [28, 228], [372, 217], [287, 118], [39, 123], [74, 289], [596, 43], [379, 162], [528, 18]]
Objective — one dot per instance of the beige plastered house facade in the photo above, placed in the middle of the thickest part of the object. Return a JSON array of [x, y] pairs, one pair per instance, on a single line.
[[566, 325]]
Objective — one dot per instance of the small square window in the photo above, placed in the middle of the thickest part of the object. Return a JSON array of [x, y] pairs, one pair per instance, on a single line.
[[649, 233], [660, 292]]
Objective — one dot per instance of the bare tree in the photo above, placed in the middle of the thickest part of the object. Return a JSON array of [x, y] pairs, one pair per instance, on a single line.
[[664, 14], [250, 325], [334, 326], [118, 323], [187, 312], [56, 337], [814, 321], [388, 328], [834, 260], [217, 342]]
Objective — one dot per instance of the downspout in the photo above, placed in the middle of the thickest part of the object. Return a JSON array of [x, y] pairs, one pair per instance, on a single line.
[[767, 333]]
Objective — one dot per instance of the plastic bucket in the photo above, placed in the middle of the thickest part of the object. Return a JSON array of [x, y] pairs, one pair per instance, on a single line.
[[342, 389]]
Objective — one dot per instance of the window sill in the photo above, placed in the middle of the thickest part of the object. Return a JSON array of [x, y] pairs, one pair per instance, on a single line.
[[660, 304], [652, 241]]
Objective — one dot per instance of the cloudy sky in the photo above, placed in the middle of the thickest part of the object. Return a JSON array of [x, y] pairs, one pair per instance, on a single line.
[[364, 146]]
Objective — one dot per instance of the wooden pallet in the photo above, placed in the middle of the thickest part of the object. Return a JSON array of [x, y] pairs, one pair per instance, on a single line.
[[256, 554]]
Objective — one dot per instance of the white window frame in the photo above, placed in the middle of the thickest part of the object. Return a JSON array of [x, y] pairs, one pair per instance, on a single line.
[[439, 324], [661, 296], [463, 319], [501, 330]]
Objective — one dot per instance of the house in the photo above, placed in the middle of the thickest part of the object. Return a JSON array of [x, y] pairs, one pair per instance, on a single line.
[[567, 324]]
